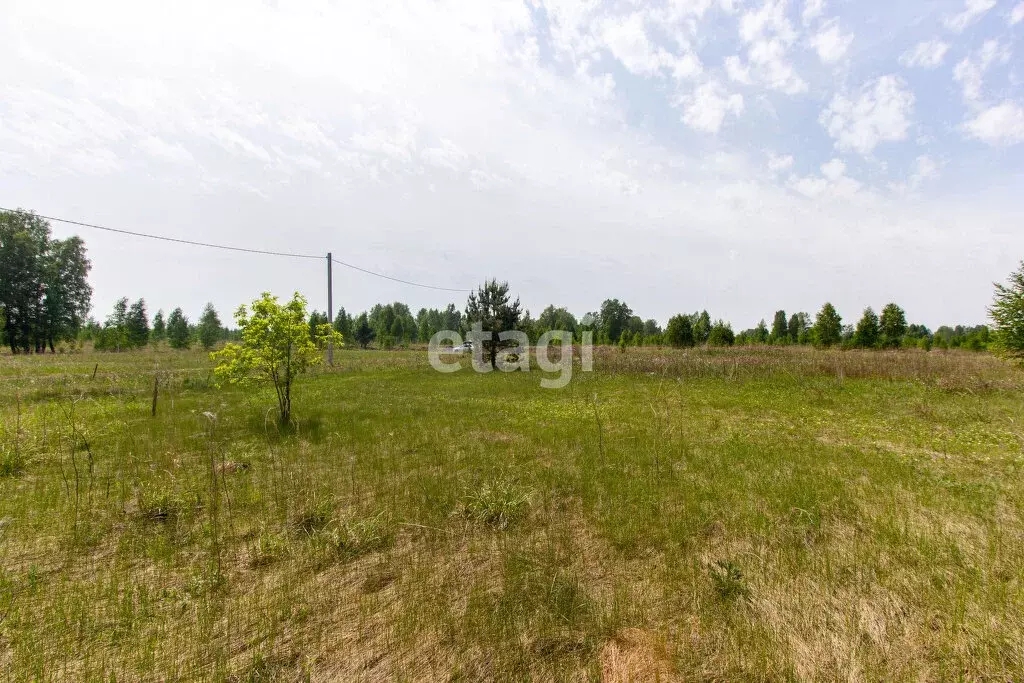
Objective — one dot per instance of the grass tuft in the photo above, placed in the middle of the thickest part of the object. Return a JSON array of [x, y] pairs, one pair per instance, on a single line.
[[498, 504]]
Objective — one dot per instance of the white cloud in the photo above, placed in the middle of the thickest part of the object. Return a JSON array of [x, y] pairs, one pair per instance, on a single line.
[[880, 112], [833, 169], [627, 40], [970, 71], [736, 71], [925, 168], [164, 150], [779, 163], [927, 54], [769, 35], [1002, 124], [812, 10], [705, 110], [1017, 15], [973, 10], [833, 182], [830, 42]]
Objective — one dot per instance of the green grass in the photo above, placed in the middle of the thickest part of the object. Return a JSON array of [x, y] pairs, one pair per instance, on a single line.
[[710, 514]]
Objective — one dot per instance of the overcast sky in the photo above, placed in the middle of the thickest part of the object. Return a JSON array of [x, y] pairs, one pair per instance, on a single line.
[[735, 155]]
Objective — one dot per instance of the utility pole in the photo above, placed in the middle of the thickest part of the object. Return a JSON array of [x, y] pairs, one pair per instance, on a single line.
[[330, 309]]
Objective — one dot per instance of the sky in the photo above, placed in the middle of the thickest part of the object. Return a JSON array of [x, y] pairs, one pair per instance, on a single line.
[[739, 156]]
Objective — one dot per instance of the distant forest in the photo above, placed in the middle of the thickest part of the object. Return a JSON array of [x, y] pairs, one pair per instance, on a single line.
[[45, 299]]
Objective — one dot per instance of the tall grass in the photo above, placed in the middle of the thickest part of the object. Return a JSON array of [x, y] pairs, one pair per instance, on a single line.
[[738, 514]]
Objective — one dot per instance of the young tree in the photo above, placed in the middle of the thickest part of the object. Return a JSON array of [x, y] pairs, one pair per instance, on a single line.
[[1007, 313], [343, 323], [137, 325], [760, 335], [490, 308], [780, 330], [552, 318], [363, 333], [721, 334], [866, 334], [892, 326], [66, 302], [828, 326], [275, 348], [679, 332], [701, 327], [615, 318], [316, 319], [209, 328], [159, 332], [178, 334]]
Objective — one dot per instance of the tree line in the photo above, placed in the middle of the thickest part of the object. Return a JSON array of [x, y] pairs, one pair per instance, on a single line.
[[45, 300], [128, 327]]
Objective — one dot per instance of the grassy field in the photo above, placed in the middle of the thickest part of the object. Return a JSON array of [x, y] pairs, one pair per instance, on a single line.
[[682, 515]]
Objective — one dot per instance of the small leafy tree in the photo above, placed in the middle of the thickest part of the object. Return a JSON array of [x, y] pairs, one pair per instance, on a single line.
[[892, 326], [275, 347], [209, 327], [178, 335], [866, 334], [679, 332], [721, 334], [828, 326], [1007, 313]]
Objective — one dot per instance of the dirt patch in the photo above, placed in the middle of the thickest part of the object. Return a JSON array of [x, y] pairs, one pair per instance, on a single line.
[[635, 655]]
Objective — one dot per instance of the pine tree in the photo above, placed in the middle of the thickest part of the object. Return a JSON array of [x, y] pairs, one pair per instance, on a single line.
[[679, 332], [178, 335], [159, 332], [828, 326], [209, 328], [137, 325], [892, 326], [866, 334], [1007, 313], [780, 331], [362, 332]]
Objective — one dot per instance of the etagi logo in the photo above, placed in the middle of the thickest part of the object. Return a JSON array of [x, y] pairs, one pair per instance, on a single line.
[[509, 351]]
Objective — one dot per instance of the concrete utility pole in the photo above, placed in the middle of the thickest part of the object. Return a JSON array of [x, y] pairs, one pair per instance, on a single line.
[[330, 309]]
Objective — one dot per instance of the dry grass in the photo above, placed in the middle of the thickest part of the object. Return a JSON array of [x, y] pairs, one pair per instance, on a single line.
[[713, 515]]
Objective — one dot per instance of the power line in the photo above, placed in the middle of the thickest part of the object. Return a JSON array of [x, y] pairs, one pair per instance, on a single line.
[[210, 245], [396, 279], [162, 237]]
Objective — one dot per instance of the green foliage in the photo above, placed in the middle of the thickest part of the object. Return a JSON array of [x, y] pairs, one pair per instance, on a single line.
[[780, 330], [679, 332], [490, 307], [729, 581], [614, 319], [866, 334], [701, 327], [178, 334], [343, 323], [363, 332], [44, 291], [892, 326], [275, 348], [159, 331], [1007, 313], [209, 329], [828, 326], [721, 334], [137, 325], [497, 504]]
